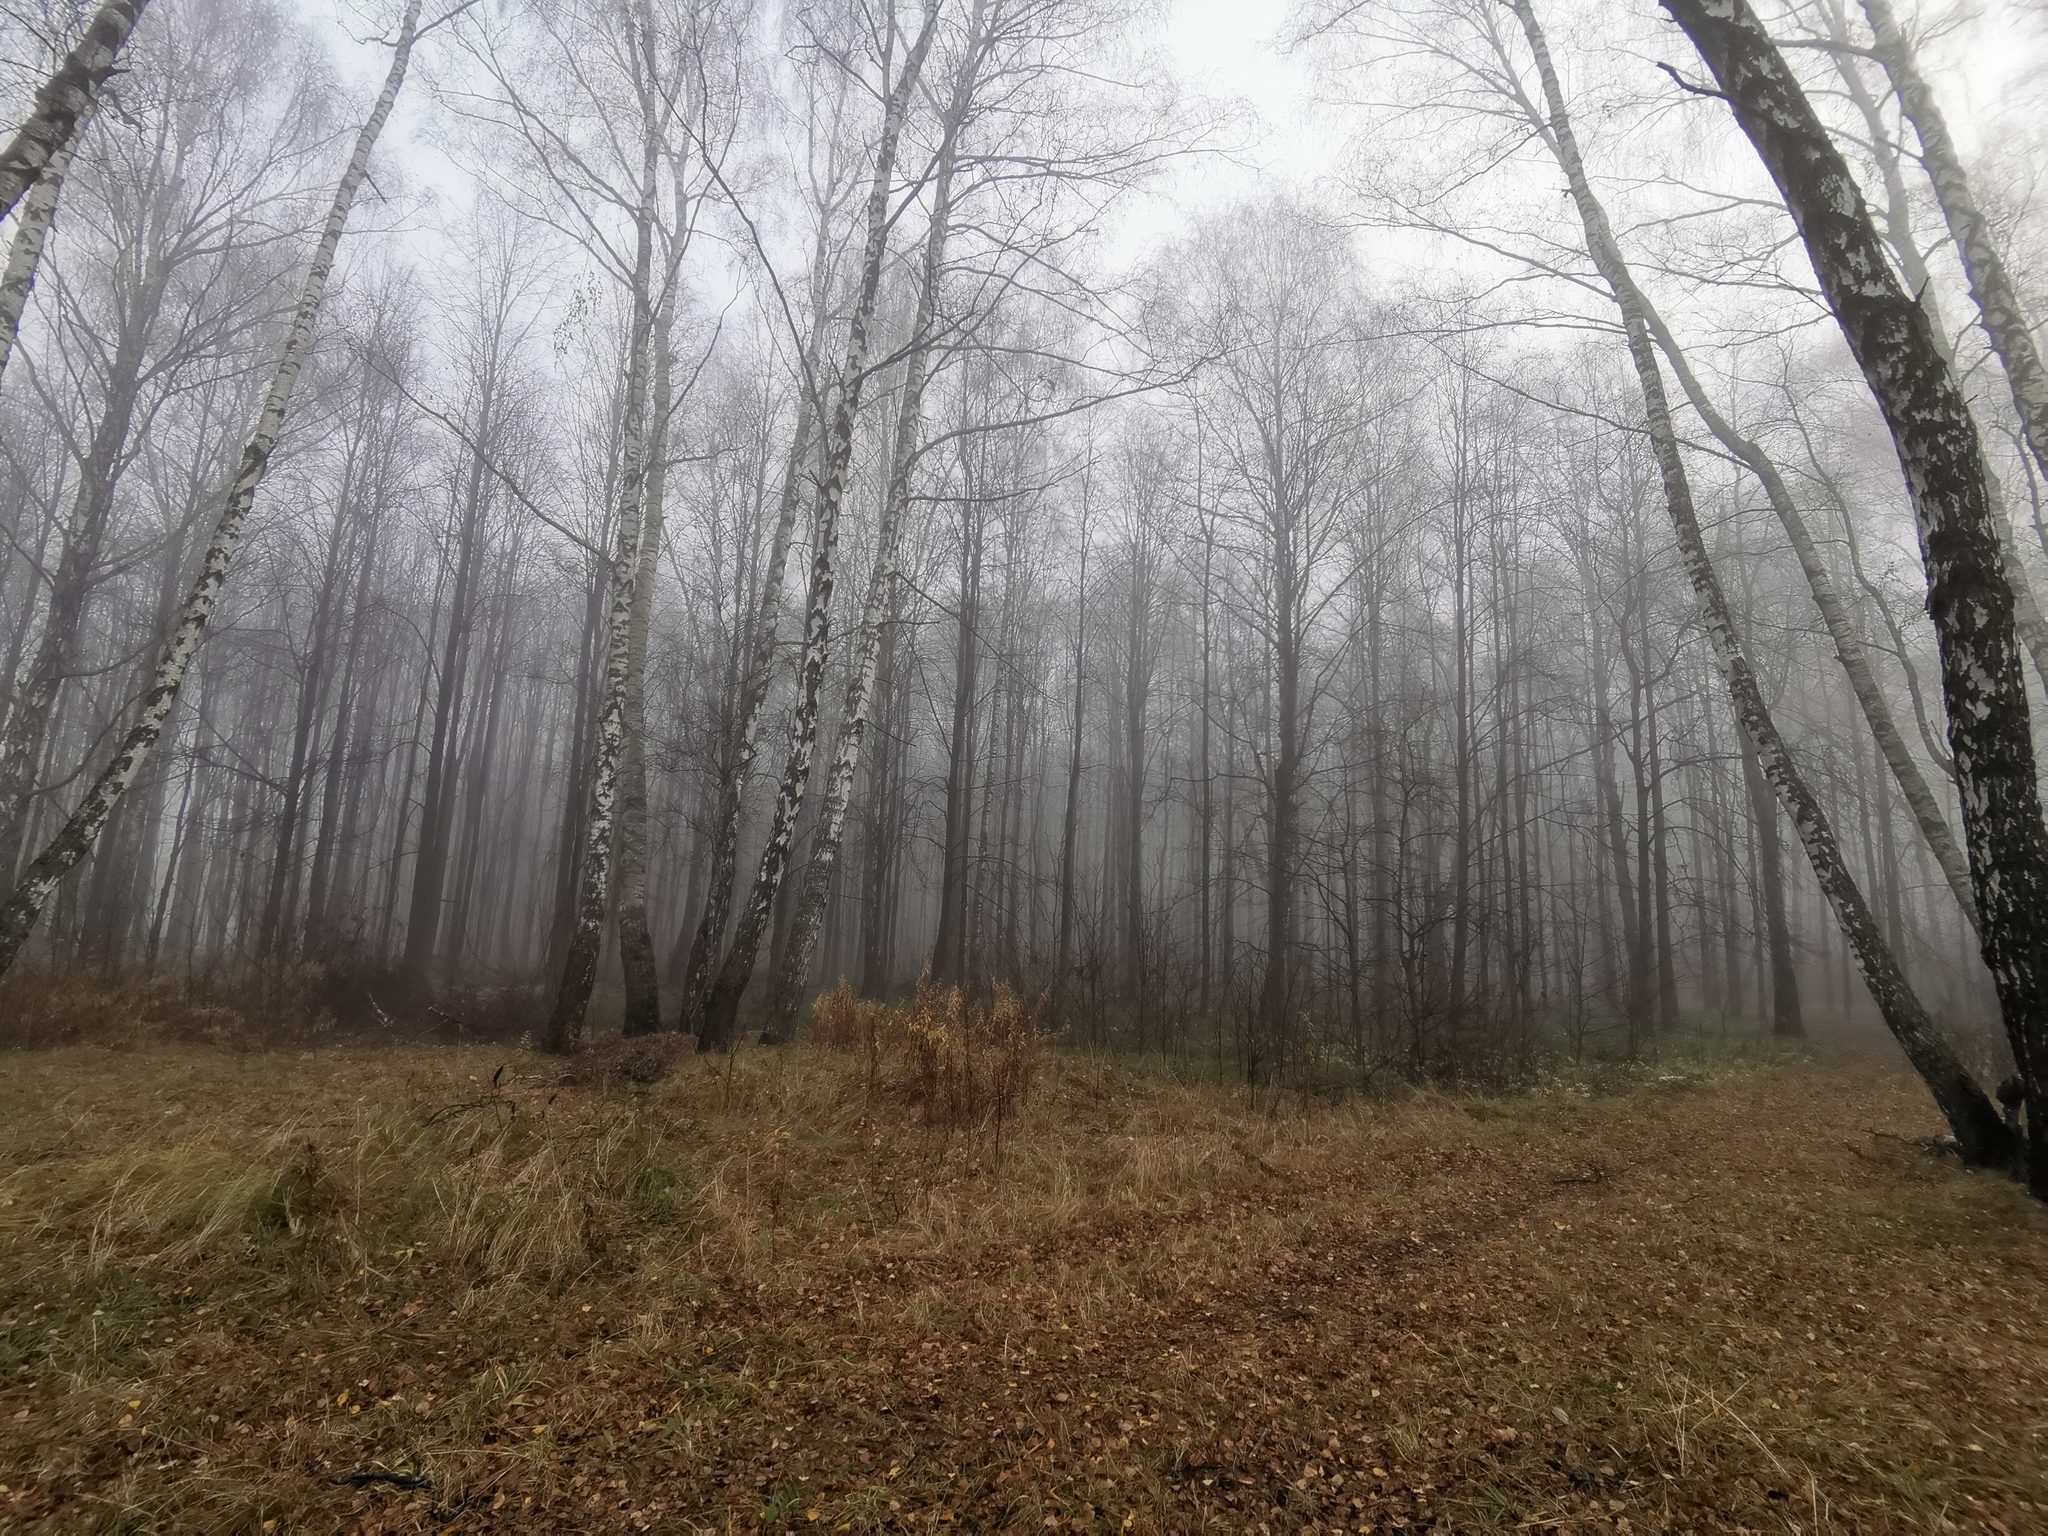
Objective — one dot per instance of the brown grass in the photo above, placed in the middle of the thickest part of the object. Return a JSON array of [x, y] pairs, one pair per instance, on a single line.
[[964, 1063], [761, 1295]]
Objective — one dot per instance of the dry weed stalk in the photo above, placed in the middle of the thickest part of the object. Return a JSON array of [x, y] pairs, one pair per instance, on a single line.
[[963, 1063]]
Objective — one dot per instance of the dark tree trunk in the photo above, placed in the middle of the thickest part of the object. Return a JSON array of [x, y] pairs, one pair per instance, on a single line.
[[949, 949], [1786, 1022]]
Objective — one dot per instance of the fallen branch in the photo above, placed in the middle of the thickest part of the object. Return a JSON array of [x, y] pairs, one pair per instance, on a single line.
[[364, 1476]]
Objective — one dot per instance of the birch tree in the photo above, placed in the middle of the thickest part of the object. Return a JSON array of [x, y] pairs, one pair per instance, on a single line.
[[81, 831], [794, 972], [1942, 458], [579, 971], [828, 182], [65, 100], [1980, 1133], [1992, 289], [31, 233], [721, 1007], [169, 292]]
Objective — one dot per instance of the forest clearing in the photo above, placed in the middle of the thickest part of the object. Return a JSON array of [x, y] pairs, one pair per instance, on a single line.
[[1101, 765], [1729, 1292]]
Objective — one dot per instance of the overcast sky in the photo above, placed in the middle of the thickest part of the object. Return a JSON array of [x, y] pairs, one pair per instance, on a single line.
[[1989, 72]]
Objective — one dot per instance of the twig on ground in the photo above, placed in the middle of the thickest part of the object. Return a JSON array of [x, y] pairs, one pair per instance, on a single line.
[[362, 1477]]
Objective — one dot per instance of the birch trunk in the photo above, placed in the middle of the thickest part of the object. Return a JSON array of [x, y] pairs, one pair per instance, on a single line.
[[1980, 1134], [586, 937], [1849, 648], [31, 232], [1968, 596], [65, 100], [29, 731], [795, 969], [77, 836], [754, 685], [722, 1002], [1898, 228], [636, 942], [1998, 302]]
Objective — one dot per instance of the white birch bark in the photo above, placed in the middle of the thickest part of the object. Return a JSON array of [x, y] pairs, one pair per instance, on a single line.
[[65, 100], [1979, 1131], [636, 942], [31, 233], [586, 941], [754, 685], [78, 835], [1991, 286], [1969, 597], [721, 1007], [831, 826], [1849, 649], [1998, 306]]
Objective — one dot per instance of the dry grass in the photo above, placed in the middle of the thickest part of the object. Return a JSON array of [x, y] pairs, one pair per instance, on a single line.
[[764, 1294], [964, 1063]]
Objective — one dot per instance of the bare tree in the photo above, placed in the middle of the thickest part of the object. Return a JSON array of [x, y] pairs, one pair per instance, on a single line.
[[1977, 1127], [75, 840], [1939, 450], [721, 1006], [65, 101]]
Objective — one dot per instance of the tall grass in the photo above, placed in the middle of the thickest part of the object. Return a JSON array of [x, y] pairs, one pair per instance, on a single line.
[[962, 1061]]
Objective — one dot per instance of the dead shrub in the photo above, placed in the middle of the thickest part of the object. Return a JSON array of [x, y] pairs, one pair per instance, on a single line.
[[643, 1059], [960, 1061]]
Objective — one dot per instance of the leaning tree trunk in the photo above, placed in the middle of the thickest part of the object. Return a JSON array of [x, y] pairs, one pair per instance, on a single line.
[[1849, 648], [1998, 302], [2013, 346], [67, 97], [31, 232], [76, 838], [795, 968], [1943, 460], [586, 938], [721, 1007], [1981, 1135]]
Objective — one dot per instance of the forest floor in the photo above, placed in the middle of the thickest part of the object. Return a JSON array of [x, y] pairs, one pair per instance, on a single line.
[[373, 1290]]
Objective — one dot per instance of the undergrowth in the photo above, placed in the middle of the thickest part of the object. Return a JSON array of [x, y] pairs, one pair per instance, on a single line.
[[961, 1060], [927, 1268]]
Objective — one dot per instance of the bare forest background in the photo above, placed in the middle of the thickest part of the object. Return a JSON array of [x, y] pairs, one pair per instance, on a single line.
[[776, 493]]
